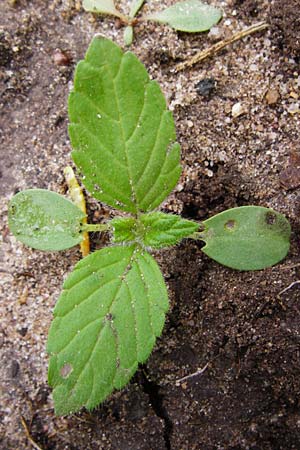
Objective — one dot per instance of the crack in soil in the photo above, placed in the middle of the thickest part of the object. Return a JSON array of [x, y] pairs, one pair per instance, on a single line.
[[156, 400]]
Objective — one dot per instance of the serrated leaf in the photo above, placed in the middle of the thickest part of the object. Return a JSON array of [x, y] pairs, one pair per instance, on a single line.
[[135, 7], [106, 320], [190, 16], [121, 131], [162, 230], [156, 230], [124, 229], [247, 238], [45, 220], [100, 6]]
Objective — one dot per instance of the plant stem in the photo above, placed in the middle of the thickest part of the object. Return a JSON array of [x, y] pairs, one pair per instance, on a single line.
[[92, 227], [77, 197], [124, 19]]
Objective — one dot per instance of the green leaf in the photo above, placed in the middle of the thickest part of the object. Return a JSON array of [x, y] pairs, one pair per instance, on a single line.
[[190, 16], [121, 131], [247, 238], [156, 230], [128, 35], [106, 320], [45, 220], [124, 229], [135, 7], [100, 6], [162, 230]]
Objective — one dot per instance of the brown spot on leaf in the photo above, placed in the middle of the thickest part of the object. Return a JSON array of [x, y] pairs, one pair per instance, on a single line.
[[66, 370], [230, 224], [270, 218]]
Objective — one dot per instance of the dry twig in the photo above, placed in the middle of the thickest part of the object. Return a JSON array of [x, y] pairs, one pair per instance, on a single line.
[[289, 287], [200, 56], [192, 375], [28, 435]]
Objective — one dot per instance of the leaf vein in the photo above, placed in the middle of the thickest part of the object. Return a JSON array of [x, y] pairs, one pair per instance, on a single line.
[[103, 149], [132, 305], [100, 331], [92, 274], [147, 295], [152, 151], [88, 297], [157, 180], [94, 104]]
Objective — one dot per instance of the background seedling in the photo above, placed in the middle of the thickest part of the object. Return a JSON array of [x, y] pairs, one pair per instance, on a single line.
[[113, 304], [191, 16]]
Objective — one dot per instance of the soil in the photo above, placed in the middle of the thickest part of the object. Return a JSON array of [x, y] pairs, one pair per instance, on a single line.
[[239, 330]]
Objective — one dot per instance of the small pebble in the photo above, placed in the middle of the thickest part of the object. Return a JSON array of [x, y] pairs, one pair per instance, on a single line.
[[237, 110], [293, 108], [60, 58], [272, 96]]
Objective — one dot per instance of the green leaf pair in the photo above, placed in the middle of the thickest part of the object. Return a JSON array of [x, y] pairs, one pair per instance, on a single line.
[[113, 304], [190, 15]]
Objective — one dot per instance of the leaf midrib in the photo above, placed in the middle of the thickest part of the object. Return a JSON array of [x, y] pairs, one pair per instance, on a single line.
[[103, 328], [133, 194]]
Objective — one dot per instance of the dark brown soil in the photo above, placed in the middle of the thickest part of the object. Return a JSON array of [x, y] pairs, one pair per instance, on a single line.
[[238, 329]]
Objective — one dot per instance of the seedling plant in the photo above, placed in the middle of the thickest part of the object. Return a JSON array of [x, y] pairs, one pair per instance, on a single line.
[[113, 304], [190, 15]]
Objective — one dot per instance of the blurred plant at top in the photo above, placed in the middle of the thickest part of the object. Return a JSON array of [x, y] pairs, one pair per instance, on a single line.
[[191, 16]]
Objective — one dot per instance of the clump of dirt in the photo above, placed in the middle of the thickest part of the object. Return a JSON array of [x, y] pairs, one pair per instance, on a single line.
[[283, 16], [250, 8], [285, 21]]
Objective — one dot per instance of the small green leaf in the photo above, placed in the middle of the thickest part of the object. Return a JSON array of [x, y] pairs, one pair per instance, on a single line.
[[128, 35], [45, 220], [124, 229], [106, 320], [190, 16], [121, 131], [163, 230], [156, 230], [100, 6], [247, 238], [135, 7]]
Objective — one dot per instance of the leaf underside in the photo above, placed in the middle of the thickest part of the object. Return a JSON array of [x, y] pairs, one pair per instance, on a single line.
[[106, 320], [45, 220], [122, 134], [247, 238], [189, 16]]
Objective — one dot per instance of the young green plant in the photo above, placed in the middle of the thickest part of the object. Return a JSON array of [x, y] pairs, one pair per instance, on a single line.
[[113, 304], [191, 16]]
